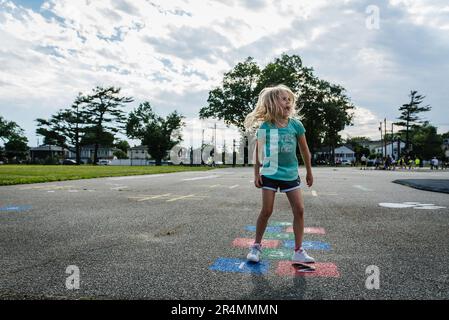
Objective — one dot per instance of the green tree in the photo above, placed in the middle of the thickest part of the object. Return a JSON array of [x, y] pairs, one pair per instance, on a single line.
[[241, 86], [65, 128], [9, 129], [336, 114], [91, 137], [120, 154], [236, 96], [103, 109], [122, 145], [158, 134], [358, 144], [12, 136], [16, 148], [426, 142], [311, 106], [409, 115]]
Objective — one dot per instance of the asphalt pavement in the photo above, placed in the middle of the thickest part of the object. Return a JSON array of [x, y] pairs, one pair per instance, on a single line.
[[183, 236]]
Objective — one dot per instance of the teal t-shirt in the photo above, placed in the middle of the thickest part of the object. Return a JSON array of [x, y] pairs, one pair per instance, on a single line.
[[279, 161]]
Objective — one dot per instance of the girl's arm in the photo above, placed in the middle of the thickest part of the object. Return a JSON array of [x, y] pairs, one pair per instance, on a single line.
[[306, 157], [257, 177]]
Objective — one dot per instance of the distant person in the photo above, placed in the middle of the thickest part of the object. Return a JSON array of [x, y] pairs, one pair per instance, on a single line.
[[410, 163], [402, 163], [275, 109], [363, 161], [387, 165], [417, 162], [377, 163], [434, 163]]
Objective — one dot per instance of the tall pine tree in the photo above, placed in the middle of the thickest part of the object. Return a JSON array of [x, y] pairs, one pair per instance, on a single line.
[[409, 115], [103, 109]]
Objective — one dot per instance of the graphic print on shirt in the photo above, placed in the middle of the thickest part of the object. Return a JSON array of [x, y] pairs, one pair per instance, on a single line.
[[287, 143]]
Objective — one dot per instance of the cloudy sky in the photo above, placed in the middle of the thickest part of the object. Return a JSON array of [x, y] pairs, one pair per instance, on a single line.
[[172, 53]]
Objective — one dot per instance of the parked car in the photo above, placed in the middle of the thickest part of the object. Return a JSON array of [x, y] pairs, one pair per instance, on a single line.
[[346, 162], [104, 162], [69, 162], [322, 162]]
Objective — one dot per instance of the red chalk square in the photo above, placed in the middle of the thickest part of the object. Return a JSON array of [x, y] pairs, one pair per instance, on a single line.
[[330, 270], [246, 243], [309, 230]]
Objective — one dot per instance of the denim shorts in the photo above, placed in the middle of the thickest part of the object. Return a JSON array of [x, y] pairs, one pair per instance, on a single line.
[[284, 186]]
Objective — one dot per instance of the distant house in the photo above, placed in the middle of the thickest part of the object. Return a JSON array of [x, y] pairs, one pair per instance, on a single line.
[[43, 152], [341, 153], [138, 153], [87, 153], [393, 149]]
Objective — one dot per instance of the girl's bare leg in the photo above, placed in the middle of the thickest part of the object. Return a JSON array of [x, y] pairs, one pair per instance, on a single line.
[[297, 203], [267, 209]]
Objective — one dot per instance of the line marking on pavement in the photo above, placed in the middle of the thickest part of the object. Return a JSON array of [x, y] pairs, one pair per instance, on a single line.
[[150, 197], [45, 188], [190, 196], [362, 188], [118, 188], [232, 187], [137, 177], [414, 205], [214, 186], [167, 195], [201, 178]]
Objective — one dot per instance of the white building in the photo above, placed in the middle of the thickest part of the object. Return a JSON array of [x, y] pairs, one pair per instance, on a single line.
[[341, 153], [392, 149], [138, 153], [87, 153]]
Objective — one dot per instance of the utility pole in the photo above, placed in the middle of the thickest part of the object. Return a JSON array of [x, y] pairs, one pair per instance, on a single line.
[[202, 145], [215, 138], [385, 136], [381, 137], [233, 153], [392, 140]]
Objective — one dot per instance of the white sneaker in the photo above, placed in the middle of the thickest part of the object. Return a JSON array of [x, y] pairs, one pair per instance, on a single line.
[[301, 256], [254, 253]]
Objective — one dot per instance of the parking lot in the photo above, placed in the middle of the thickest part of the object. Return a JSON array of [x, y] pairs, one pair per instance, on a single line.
[[185, 236]]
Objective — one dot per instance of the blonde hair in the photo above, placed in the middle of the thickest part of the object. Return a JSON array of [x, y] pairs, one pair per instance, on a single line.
[[268, 107]]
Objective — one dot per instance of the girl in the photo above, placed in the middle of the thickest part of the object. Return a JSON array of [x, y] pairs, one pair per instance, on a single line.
[[276, 143]]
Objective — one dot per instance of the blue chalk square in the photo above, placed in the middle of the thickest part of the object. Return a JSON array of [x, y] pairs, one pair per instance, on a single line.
[[268, 229], [240, 265], [308, 245]]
